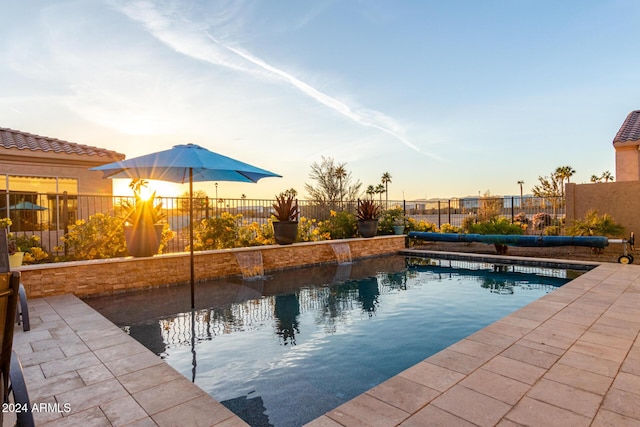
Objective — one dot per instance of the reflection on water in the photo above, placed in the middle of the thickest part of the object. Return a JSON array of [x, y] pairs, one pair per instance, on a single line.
[[284, 350]]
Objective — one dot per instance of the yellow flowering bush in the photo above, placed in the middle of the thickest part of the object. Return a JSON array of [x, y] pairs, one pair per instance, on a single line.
[[420, 225], [217, 233], [309, 231], [30, 244], [101, 236], [340, 225], [448, 228]]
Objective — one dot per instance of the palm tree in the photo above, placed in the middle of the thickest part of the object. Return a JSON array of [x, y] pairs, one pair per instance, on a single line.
[[371, 190], [386, 180], [606, 175], [379, 190], [595, 178], [564, 172]]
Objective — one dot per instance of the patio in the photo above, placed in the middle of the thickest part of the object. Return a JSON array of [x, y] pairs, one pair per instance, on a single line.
[[570, 358]]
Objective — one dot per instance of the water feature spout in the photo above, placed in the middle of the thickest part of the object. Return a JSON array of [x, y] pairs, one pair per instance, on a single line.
[[342, 252], [250, 263]]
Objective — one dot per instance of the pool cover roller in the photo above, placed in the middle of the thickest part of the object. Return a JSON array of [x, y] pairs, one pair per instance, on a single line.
[[513, 239]]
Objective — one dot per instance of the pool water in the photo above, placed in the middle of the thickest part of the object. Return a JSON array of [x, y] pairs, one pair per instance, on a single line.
[[284, 350]]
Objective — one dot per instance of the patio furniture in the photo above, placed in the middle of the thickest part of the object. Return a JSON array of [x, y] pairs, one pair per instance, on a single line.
[[12, 385]]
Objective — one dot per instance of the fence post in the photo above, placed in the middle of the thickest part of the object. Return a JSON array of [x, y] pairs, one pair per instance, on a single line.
[[439, 215], [512, 211], [449, 209]]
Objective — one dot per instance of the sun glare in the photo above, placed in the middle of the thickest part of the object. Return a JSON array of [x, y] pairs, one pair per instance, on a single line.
[[161, 188]]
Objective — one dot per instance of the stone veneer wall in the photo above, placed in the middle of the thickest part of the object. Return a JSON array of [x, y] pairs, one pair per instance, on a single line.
[[99, 277]]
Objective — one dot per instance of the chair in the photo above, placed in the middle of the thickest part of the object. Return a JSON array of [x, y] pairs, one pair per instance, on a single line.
[[11, 375]]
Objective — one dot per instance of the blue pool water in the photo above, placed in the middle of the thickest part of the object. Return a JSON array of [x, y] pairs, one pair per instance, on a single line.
[[285, 350]]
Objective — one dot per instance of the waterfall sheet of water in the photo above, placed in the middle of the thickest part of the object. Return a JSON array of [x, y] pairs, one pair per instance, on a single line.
[[342, 252], [250, 264]]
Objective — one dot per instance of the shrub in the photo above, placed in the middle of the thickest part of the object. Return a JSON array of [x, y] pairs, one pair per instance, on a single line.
[[521, 217], [552, 230], [217, 233], [596, 225], [496, 226], [34, 252], [422, 225], [101, 236], [309, 231], [448, 228], [541, 220], [389, 218], [340, 225], [468, 222]]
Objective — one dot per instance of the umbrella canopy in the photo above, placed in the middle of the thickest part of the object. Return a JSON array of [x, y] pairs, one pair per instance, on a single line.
[[185, 163], [26, 206], [175, 164]]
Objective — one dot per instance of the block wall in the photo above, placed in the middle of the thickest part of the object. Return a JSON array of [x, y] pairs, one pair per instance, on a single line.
[[99, 277]]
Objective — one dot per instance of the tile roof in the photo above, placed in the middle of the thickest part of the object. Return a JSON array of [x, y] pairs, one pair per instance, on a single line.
[[10, 138], [630, 129]]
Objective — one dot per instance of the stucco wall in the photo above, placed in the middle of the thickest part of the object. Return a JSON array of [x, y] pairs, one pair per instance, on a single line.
[[627, 162], [84, 278], [89, 182], [621, 200]]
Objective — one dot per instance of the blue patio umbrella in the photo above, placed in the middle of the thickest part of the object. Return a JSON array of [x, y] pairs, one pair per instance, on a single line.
[[26, 206], [185, 163]]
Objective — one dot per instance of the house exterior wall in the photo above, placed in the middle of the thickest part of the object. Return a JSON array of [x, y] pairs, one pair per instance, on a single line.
[[627, 162], [621, 200], [40, 164]]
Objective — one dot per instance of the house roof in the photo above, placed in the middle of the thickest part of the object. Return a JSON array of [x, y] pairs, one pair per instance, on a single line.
[[630, 129], [14, 139]]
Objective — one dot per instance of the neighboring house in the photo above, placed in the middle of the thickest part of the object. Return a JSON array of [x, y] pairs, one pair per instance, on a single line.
[[627, 146], [619, 198], [41, 178]]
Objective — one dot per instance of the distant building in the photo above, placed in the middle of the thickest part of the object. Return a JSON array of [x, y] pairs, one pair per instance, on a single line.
[[38, 173], [627, 146]]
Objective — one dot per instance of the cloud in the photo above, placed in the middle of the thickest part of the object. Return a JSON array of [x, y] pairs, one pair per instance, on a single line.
[[193, 40]]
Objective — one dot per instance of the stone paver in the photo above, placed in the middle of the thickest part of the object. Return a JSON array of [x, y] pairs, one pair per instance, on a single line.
[[75, 356], [570, 358]]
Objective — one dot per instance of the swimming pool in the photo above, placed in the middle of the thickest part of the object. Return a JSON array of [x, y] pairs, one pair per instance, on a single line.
[[285, 350]]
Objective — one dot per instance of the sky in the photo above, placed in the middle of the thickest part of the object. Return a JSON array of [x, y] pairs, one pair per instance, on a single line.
[[451, 98]]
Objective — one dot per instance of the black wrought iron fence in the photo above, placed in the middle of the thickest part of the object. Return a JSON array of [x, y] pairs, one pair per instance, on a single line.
[[48, 216]]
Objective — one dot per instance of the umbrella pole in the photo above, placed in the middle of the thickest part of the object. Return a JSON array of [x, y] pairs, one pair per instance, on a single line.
[[191, 265]]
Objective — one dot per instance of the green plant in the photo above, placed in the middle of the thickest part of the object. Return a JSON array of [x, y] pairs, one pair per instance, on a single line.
[[286, 206], [143, 210], [448, 228], [468, 222], [595, 225], [389, 218], [367, 210], [421, 225], [541, 220], [552, 230], [28, 243], [101, 236], [340, 225], [499, 225], [217, 233]]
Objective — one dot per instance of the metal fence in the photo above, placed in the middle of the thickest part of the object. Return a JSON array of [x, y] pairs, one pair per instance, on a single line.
[[48, 216]]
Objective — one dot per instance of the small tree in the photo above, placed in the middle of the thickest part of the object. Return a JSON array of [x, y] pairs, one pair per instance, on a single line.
[[550, 190], [489, 208], [333, 184]]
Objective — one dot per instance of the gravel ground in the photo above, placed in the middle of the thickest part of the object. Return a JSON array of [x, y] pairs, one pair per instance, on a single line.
[[610, 253]]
